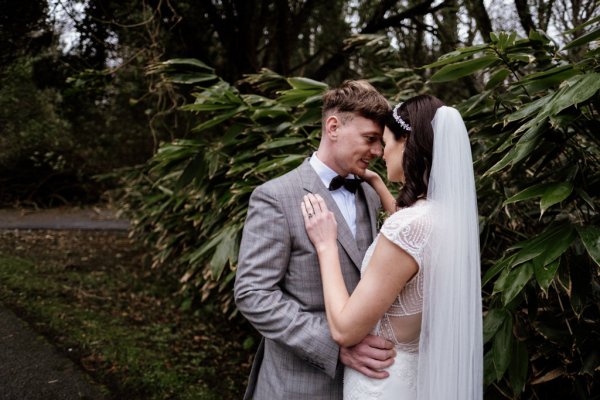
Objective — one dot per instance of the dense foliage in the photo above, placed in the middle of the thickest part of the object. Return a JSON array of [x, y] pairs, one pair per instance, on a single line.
[[533, 133]]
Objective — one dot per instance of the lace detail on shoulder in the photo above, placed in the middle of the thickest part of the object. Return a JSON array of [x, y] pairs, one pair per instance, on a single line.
[[410, 228]]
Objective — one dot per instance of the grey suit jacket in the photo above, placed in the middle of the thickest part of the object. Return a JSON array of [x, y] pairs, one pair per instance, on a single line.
[[278, 288]]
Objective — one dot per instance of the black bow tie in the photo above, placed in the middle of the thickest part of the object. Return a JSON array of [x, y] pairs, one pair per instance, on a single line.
[[349, 184]]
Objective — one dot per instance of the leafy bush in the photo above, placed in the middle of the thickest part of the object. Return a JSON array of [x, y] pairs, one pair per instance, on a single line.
[[533, 132], [534, 128], [190, 201]]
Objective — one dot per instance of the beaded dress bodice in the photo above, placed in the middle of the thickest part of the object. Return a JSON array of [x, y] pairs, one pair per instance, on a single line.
[[410, 229]]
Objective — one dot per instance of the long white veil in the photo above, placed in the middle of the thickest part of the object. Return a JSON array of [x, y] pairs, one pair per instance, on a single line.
[[450, 346]]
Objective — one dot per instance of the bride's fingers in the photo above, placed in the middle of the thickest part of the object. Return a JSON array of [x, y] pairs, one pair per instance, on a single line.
[[321, 203], [308, 207], [314, 203], [304, 212]]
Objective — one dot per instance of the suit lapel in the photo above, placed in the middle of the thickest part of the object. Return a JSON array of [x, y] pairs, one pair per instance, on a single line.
[[372, 207], [313, 184]]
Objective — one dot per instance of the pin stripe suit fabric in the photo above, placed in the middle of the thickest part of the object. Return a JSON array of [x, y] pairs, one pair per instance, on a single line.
[[278, 287]]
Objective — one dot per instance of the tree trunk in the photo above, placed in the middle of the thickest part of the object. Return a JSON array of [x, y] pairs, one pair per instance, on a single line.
[[525, 15], [477, 10]]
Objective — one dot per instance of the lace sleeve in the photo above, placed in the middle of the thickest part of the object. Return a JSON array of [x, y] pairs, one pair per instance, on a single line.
[[409, 229]]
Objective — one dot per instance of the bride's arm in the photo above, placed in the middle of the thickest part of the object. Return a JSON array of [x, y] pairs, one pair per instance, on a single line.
[[387, 200], [351, 318]]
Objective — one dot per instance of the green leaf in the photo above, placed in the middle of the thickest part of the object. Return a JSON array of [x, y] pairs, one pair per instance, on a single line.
[[590, 236], [216, 120], [588, 37], [464, 68], [492, 321], [502, 347], [526, 58], [550, 193], [195, 169], [555, 245], [526, 144], [190, 62], [227, 247], [530, 109], [281, 143], [497, 78], [270, 113], [306, 83], [529, 193], [547, 79], [489, 371], [456, 55], [516, 281], [544, 274], [519, 365], [190, 78], [573, 91], [554, 194], [585, 197], [548, 245], [496, 269]]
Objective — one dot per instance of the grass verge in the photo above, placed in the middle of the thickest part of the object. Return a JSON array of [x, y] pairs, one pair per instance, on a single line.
[[91, 294]]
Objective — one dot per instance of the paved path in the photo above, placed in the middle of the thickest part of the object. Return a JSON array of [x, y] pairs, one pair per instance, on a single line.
[[62, 218], [30, 367]]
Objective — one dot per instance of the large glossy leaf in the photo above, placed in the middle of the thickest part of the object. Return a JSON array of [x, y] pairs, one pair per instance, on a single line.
[[544, 274], [195, 169], [502, 347], [188, 62], [529, 110], [489, 371], [590, 236], [550, 193], [575, 90], [529, 193], [516, 281], [497, 78], [554, 194], [463, 68], [219, 119], [282, 142], [549, 80], [519, 364], [227, 247], [492, 322], [548, 245], [457, 55], [191, 78], [498, 267], [588, 37], [306, 84]]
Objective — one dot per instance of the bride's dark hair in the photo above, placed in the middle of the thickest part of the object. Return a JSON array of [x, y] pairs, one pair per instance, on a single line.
[[417, 112]]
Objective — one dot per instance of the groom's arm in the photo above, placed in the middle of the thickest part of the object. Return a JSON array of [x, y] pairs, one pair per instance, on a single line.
[[262, 264]]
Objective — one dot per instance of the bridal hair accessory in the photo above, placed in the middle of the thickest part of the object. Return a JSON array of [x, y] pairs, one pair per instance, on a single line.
[[399, 119]]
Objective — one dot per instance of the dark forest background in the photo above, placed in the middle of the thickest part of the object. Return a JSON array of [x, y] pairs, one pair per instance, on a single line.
[[172, 109]]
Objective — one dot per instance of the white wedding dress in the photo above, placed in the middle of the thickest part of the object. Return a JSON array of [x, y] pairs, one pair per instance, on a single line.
[[409, 228]]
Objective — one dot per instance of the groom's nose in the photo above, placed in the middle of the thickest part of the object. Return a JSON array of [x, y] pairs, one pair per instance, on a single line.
[[377, 149]]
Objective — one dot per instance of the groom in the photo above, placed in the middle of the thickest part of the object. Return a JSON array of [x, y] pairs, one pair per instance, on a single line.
[[278, 283]]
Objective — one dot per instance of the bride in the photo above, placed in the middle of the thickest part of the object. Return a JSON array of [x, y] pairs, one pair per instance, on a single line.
[[420, 279]]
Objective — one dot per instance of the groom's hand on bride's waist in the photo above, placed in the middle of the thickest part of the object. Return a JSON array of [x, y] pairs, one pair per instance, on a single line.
[[369, 357]]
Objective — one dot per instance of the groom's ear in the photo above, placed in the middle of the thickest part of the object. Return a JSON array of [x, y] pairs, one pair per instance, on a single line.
[[332, 124]]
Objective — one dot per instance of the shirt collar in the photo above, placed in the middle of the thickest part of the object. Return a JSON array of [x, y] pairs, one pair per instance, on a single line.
[[325, 173]]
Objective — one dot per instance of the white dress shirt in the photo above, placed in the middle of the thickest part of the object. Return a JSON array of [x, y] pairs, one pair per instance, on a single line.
[[345, 200]]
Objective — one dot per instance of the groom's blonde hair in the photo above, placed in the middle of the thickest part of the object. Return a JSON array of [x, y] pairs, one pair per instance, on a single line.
[[355, 96]]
